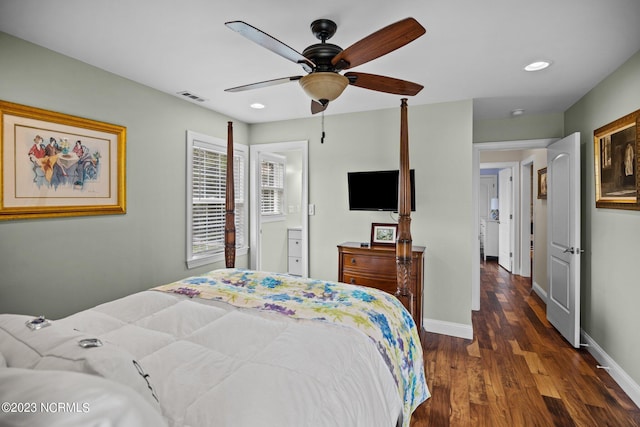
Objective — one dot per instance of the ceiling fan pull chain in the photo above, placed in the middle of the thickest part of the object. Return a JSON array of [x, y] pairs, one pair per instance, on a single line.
[[322, 138]]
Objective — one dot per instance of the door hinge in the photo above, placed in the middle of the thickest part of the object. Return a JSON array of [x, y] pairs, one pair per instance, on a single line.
[[510, 216], [510, 254]]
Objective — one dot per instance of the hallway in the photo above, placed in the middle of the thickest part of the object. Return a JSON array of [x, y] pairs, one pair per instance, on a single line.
[[518, 370]]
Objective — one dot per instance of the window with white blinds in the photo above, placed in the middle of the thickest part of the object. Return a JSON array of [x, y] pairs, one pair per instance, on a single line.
[[206, 186], [272, 178]]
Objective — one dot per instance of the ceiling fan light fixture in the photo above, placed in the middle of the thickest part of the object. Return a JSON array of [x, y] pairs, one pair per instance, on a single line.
[[324, 86]]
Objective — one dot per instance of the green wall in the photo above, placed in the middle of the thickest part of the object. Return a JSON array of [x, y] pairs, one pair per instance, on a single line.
[[440, 151], [58, 266], [519, 128], [610, 238]]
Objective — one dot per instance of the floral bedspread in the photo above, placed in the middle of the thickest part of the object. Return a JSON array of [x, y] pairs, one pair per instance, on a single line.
[[376, 313]]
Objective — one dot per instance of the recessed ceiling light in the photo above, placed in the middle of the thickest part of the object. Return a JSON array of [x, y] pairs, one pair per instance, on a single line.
[[537, 66], [517, 112], [257, 106]]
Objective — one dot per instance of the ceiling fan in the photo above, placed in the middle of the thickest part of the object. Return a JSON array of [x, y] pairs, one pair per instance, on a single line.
[[323, 61]]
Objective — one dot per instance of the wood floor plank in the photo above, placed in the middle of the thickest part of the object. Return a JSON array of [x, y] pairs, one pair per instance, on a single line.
[[477, 386], [561, 417], [546, 386], [518, 370], [459, 390]]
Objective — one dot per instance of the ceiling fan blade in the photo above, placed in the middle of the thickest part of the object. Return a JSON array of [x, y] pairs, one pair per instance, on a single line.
[[265, 83], [317, 107], [383, 84], [380, 43], [271, 43]]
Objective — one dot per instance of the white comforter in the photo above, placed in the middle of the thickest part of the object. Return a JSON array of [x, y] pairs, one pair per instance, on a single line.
[[214, 365]]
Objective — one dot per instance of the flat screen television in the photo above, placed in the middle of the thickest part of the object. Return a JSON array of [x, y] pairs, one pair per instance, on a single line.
[[377, 190]]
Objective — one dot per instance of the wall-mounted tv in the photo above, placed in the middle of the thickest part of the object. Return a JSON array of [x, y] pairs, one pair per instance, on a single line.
[[377, 190]]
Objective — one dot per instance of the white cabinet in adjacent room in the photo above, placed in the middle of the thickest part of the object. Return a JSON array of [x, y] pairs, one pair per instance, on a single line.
[[489, 236], [294, 264]]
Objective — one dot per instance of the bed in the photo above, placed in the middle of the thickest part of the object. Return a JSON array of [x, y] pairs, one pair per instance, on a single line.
[[232, 347]]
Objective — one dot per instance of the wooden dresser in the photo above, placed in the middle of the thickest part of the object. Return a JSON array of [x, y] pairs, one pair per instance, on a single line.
[[376, 267]]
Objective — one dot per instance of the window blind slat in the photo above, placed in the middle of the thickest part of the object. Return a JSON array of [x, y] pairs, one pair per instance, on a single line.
[[208, 186]]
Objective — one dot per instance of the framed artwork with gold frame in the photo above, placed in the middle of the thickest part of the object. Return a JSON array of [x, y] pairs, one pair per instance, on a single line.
[[542, 183], [616, 146], [56, 165]]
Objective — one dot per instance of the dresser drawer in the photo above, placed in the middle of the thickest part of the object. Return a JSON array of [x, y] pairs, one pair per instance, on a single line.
[[384, 284], [383, 268], [295, 247], [295, 265], [379, 264]]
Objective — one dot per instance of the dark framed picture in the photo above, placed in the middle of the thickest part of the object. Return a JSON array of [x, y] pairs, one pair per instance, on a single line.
[[542, 183], [383, 234], [55, 165], [615, 152]]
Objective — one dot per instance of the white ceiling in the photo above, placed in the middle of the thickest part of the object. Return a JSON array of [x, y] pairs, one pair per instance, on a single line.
[[472, 49]]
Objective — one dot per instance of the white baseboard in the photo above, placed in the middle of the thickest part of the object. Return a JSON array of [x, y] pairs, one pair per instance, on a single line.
[[457, 330], [541, 292], [617, 373]]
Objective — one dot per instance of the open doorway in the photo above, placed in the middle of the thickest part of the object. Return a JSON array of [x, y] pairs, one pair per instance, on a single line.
[[531, 156], [498, 231], [279, 207]]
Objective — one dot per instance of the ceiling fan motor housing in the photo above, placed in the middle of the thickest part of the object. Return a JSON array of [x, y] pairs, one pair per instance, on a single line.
[[321, 54]]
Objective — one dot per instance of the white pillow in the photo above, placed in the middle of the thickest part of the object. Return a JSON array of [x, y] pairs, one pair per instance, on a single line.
[[56, 347], [70, 399]]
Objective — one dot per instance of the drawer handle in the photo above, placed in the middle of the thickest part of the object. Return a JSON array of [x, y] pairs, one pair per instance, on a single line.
[[352, 281], [353, 260]]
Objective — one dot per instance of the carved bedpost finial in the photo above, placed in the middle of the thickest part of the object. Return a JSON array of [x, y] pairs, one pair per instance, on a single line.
[[230, 206], [404, 250]]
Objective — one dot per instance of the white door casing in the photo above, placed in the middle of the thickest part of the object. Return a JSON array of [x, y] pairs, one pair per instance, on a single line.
[[254, 211], [526, 216], [505, 227], [563, 231]]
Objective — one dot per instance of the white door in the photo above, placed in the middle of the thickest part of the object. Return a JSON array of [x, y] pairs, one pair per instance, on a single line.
[[505, 227], [488, 191], [563, 244]]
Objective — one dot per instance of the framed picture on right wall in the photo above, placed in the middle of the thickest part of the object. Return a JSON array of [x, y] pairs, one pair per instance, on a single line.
[[542, 183], [615, 152]]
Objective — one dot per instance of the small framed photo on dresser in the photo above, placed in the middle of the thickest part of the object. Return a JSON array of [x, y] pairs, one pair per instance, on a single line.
[[383, 234]]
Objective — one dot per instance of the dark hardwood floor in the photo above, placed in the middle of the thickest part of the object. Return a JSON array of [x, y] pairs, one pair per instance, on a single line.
[[518, 370]]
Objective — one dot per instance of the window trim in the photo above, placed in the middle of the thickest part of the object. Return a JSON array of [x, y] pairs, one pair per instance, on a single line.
[[199, 140], [282, 160]]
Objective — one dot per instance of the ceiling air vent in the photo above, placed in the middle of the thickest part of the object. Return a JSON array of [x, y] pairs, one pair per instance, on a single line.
[[192, 96]]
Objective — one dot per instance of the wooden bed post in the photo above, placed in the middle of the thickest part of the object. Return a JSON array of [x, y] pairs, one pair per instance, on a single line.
[[230, 206], [404, 250]]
